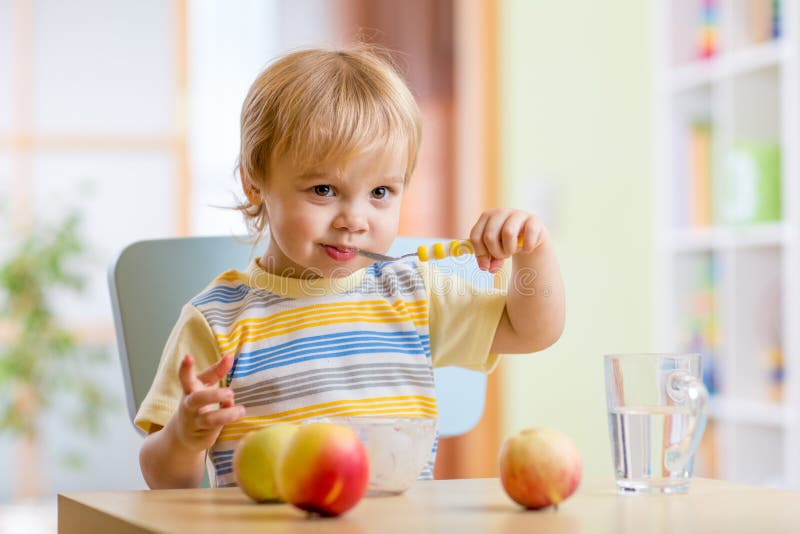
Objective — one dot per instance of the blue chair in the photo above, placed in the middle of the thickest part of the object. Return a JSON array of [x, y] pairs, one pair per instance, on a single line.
[[151, 280]]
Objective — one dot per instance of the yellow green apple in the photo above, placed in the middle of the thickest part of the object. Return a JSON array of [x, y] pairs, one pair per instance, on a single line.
[[540, 467], [256, 460], [325, 469]]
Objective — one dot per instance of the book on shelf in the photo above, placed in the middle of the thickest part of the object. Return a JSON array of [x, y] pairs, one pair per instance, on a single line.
[[697, 320], [699, 187], [771, 352], [775, 19], [745, 190], [706, 462], [699, 330], [763, 20], [708, 29], [773, 359]]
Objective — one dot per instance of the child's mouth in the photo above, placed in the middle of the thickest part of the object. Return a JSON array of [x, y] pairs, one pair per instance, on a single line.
[[339, 254]]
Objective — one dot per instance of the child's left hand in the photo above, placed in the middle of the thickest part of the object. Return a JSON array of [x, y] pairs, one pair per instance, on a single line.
[[495, 236]]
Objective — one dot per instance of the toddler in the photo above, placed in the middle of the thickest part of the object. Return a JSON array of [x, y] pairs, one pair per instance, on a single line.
[[329, 140]]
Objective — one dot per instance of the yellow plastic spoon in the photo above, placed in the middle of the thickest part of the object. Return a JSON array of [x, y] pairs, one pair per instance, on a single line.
[[437, 251]]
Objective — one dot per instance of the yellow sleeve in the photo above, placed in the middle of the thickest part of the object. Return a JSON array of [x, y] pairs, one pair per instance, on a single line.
[[462, 320], [190, 335]]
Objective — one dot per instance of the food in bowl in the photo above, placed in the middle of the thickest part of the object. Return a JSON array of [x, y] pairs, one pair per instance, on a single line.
[[398, 449]]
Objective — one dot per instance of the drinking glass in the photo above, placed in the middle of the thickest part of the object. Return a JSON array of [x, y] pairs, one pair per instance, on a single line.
[[656, 417]]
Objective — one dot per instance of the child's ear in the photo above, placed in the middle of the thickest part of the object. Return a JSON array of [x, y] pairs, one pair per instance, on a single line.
[[250, 190]]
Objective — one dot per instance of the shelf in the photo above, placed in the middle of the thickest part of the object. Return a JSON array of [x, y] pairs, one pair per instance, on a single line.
[[704, 72], [730, 288], [719, 238], [760, 413]]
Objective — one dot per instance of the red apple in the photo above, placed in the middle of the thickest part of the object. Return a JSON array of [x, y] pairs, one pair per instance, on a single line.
[[256, 460], [540, 467], [324, 470]]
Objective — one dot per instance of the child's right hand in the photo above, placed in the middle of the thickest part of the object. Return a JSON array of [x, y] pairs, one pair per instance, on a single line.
[[205, 407]]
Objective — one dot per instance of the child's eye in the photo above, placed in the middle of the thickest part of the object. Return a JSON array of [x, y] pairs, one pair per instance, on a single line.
[[381, 192], [323, 190]]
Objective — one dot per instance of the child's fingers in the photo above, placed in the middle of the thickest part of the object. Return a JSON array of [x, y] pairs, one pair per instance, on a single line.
[[533, 234], [476, 237], [186, 374], [227, 403], [511, 231], [492, 235], [496, 264], [217, 418], [207, 396], [216, 372]]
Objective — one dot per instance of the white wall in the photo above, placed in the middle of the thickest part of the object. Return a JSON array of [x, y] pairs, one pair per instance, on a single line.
[[575, 124]]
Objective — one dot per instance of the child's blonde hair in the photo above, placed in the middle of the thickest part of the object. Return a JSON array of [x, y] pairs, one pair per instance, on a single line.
[[320, 107]]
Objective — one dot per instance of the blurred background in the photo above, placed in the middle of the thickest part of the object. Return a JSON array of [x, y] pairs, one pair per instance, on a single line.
[[658, 140]]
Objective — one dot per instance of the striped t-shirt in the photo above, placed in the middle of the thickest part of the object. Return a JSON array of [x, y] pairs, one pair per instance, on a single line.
[[364, 344]]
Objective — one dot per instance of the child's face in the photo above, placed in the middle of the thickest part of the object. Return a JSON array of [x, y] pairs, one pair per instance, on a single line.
[[316, 215]]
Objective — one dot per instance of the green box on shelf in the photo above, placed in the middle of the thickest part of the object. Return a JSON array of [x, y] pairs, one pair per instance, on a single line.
[[751, 185]]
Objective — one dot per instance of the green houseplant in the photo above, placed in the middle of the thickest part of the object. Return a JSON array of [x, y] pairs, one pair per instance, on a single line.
[[42, 368]]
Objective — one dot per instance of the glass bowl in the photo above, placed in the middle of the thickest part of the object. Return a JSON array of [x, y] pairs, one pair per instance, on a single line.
[[398, 449]]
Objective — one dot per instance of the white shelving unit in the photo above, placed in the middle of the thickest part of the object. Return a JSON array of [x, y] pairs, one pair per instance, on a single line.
[[747, 91]]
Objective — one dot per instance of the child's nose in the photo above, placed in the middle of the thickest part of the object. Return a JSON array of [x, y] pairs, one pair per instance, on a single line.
[[352, 218]]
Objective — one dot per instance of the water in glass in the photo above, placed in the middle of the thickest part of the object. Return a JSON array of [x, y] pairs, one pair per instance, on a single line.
[[641, 438]]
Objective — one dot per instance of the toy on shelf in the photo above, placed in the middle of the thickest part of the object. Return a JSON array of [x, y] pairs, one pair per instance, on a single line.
[[751, 192]]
